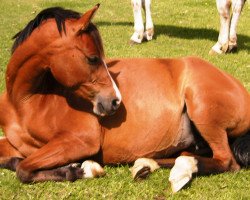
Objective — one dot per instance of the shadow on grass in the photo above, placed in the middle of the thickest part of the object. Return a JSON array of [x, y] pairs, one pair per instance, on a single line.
[[185, 33]]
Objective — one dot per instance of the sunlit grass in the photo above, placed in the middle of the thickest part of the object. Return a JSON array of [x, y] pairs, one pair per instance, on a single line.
[[184, 27]]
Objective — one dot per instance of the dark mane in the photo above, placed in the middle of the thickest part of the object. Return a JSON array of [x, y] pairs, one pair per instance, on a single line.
[[57, 13]]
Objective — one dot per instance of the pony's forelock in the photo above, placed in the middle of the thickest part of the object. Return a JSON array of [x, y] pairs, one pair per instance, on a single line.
[[93, 31]]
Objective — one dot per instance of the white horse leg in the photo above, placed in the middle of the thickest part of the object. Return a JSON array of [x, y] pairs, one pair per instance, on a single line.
[[149, 22], [221, 46], [138, 22], [237, 6]]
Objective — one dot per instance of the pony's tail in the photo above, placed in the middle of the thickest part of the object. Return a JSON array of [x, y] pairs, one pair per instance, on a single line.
[[241, 150]]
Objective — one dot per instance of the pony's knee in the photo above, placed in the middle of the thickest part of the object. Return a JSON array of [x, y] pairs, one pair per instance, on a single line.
[[223, 7], [7, 150], [238, 5], [136, 4], [23, 175]]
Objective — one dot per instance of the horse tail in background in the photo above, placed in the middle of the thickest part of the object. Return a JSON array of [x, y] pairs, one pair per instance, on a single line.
[[241, 150]]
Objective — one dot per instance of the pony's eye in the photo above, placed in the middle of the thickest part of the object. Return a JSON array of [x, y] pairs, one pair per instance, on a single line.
[[93, 60]]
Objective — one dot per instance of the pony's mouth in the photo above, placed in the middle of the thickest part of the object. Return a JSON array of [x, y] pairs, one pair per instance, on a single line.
[[102, 110]]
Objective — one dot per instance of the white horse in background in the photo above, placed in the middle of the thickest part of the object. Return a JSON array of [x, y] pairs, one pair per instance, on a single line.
[[227, 40]]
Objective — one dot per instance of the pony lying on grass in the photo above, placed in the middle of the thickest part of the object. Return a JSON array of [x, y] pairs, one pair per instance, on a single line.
[[62, 106], [227, 40]]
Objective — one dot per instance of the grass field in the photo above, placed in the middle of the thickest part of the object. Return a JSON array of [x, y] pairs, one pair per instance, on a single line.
[[185, 27]]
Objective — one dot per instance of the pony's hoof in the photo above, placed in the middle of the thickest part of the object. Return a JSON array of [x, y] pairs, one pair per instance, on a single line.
[[213, 52], [148, 34], [143, 167], [136, 38], [143, 173], [232, 49], [92, 169], [72, 171], [219, 49], [178, 184], [182, 172], [132, 42]]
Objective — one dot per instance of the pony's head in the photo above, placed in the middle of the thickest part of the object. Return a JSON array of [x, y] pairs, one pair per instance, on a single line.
[[69, 47]]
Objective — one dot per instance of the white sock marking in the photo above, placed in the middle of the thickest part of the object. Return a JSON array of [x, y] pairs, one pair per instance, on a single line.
[[144, 162], [92, 169], [182, 172]]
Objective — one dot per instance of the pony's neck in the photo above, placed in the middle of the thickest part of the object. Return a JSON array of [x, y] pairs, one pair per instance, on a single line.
[[29, 62], [22, 74], [29, 74]]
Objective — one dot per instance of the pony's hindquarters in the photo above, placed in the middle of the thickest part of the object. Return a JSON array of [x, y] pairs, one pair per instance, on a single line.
[[218, 106]]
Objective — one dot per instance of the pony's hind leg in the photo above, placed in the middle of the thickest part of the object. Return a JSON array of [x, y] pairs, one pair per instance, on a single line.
[[216, 118], [137, 36], [222, 160], [237, 6]]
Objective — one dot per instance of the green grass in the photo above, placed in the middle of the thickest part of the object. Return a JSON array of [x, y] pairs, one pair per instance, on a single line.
[[185, 27]]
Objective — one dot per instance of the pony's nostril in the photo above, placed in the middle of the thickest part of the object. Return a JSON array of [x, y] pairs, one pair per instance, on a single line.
[[115, 104]]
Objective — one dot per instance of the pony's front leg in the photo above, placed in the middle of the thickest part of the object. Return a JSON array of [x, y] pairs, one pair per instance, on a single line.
[[137, 36], [221, 46], [46, 163], [149, 22], [237, 6], [9, 155]]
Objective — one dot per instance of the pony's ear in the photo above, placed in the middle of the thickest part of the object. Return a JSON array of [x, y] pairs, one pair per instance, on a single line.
[[86, 18]]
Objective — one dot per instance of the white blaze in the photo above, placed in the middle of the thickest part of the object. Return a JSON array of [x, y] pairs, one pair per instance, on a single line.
[[117, 92]]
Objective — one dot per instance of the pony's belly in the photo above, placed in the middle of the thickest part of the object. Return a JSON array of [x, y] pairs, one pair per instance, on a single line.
[[162, 144]]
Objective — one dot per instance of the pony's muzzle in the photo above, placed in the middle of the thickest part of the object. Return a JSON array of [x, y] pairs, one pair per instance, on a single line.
[[105, 107]]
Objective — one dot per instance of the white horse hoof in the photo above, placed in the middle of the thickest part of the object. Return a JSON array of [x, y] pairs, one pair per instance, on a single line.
[[232, 49], [136, 38], [143, 167], [149, 34], [219, 49], [213, 52], [182, 172], [92, 169]]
